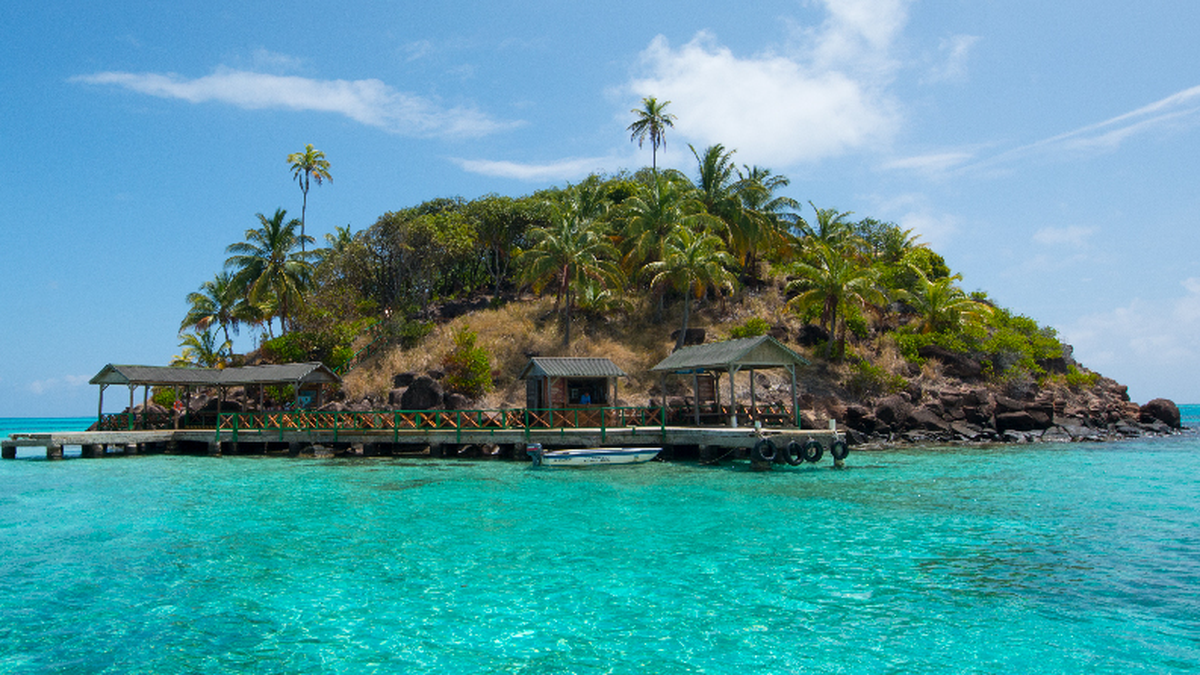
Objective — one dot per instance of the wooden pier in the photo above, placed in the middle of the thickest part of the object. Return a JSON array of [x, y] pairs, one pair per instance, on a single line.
[[460, 439]]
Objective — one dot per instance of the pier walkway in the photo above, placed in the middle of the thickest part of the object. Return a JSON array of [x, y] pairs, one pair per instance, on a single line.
[[436, 433]]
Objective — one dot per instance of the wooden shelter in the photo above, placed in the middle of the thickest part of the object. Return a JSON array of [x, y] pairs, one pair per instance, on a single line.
[[706, 362], [570, 382], [306, 378]]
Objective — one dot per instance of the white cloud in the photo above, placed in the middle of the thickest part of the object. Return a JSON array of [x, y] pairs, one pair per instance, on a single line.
[[369, 102], [565, 169], [916, 213], [954, 52], [933, 163], [39, 387], [774, 110], [1152, 345], [1072, 235]]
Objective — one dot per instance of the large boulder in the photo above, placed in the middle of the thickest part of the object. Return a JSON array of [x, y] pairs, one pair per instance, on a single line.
[[893, 410], [1163, 410], [425, 393], [927, 419], [402, 380], [954, 364], [811, 335], [694, 336]]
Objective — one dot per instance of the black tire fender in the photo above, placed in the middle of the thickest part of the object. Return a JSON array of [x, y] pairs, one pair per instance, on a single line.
[[763, 451], [813, 451], [793, 454], [839, 450]]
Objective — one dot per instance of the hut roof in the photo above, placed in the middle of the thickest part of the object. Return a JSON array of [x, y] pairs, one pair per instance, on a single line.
[[756, 353], [290, 373], [571, 366]]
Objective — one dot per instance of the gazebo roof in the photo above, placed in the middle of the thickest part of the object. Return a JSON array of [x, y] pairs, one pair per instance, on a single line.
[[290, 373], [754, 353], [570, 366]]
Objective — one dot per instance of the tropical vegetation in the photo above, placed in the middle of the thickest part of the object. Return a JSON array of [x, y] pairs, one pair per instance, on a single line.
[[649, 252]]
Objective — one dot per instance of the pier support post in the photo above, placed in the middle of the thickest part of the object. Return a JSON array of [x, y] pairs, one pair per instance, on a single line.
[[132, 449], [214, 449], [93, 451], [54, 451], [437, 450], [709, 454], [8, 452]]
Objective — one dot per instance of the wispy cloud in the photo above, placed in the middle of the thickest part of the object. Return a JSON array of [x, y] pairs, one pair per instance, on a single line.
[[565, 169], [1072, 235], [39, 387], [1177, 109], [953, 54], [370, 102]]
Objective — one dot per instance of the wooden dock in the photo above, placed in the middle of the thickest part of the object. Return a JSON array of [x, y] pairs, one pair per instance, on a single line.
[[678, 442]]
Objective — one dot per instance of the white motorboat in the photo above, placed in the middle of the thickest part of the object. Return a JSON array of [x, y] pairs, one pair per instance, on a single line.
[[589, 456]]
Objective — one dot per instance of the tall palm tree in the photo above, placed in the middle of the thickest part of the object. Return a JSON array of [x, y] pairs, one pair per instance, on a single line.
[[766, 219], [218, 302], [833, 227], [833, 282], [201, 349], [567, 253], [268, 265], [652, 121], [692, 262], [306, 166], [942, 305]]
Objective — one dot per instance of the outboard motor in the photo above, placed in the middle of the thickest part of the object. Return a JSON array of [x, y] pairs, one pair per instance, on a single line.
[[535, 452]]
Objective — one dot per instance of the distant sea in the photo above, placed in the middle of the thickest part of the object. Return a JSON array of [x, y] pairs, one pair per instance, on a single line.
[[1009, 559]]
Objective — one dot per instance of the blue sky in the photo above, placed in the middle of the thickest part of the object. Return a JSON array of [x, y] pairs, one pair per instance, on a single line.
[[1047, 150]]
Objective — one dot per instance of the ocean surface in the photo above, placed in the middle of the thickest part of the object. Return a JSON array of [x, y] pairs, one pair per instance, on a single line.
[[1019, 559]]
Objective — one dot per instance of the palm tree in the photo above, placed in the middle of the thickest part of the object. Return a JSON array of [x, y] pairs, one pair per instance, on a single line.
[[308, 165], [652, 121], [566, 253], [942, 305], [765, 220], [834, 282], [218, 302], [201, 349], [267, 265], [832, 228], [692, 262]]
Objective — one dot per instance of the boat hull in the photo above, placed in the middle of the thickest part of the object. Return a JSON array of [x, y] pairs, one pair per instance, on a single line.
[[590, 456]]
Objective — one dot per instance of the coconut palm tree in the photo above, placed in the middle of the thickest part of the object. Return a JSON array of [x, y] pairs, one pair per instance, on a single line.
[[267, 265], [766, 219], [833, 282], [217, 302], [566, 253], [833, 227], [943, 306], [692, 263], [652, 122], [202, 350], [306, 166]]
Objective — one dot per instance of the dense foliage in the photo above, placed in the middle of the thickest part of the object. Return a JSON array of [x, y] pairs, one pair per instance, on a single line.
[[600, 247]]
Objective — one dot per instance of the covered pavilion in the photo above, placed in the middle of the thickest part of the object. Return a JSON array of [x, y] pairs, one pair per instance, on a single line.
[[304, 377], [708, 361]]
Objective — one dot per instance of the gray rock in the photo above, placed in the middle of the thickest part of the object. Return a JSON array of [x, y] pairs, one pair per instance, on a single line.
[[424, 393], [1162, 410], [401, 380]]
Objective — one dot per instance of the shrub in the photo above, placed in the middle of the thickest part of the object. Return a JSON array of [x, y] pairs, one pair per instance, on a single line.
[[1078, 379], [870, 380], [468, 367], [163, 396], [753, 327]]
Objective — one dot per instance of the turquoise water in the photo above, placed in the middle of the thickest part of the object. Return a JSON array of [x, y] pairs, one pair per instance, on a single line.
[[1040, 558]]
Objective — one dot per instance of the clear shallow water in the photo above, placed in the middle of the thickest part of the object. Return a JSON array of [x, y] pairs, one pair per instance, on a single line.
[[1046, 558]]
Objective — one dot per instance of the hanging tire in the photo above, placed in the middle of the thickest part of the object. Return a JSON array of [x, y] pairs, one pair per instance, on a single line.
[[763, 451], [813, 451], [793, 454], [839, 450]]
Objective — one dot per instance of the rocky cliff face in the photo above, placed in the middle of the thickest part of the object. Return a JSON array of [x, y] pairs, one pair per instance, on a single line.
[[963, 412]]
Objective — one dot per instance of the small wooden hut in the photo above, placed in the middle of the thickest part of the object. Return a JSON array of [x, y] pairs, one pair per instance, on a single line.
[[570, 382]]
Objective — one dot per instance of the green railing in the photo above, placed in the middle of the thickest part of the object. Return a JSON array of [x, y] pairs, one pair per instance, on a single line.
[[439, 420], [378, 340]]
